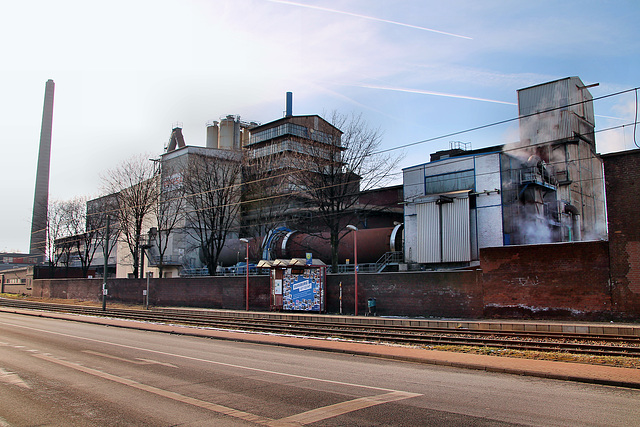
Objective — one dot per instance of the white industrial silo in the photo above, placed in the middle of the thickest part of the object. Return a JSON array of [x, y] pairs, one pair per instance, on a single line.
[[212, 134]]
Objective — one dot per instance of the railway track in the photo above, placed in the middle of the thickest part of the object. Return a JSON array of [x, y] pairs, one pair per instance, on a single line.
[[573, 343]]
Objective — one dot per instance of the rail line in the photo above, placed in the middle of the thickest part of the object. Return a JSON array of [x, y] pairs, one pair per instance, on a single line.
[[573, 343]]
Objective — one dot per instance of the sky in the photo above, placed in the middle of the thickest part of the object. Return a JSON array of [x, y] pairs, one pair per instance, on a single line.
[[127, 72]]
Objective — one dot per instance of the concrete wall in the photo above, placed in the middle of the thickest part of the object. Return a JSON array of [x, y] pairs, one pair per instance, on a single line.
[[622, 182], [562, 280], [19, 288]]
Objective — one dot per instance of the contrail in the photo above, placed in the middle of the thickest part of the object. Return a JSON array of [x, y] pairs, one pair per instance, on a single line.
[[609, 117], [371, 18], [429, 92]]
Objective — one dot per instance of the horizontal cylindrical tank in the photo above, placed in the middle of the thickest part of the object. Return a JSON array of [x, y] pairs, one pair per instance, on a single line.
[[373, 243]]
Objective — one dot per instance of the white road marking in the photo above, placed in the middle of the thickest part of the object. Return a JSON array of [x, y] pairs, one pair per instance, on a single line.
[[12, 378], [155, 362], [342, 408], [137, 361], [196, 359], [158, 391], [303, 418]]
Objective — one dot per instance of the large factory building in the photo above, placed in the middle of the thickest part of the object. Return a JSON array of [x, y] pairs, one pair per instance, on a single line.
[[270, 201], [546, 188]]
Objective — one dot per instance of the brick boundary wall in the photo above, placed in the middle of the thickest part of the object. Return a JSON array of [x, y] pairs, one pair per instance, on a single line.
[[414, 294], [205, 292], [622, 184], [562, 280], [568, 281]]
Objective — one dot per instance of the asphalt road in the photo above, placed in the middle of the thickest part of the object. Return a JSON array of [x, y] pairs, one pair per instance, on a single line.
[[55, 372]]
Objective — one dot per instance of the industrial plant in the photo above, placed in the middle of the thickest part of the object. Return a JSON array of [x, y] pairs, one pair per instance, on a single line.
[[460, 211], [546, 188]]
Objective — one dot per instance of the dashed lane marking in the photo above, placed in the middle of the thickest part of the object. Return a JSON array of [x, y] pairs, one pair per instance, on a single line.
[[197, 359], [12, 378], [303, 418], [158, 391], [137, 361], [294, 420]]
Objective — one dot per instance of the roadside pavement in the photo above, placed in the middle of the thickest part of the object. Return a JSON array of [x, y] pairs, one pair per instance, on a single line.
[[568, 371]]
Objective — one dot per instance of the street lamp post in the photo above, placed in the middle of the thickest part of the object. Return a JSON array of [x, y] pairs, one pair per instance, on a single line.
[[246, 241], [355, 260]]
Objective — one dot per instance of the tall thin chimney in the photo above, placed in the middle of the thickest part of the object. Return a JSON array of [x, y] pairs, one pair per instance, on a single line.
[[38, 242], [289, 104]]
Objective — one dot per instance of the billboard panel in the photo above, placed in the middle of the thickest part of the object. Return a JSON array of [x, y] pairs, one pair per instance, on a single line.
[[302, 289]]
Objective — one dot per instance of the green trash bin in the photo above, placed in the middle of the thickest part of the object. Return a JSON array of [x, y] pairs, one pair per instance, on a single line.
[[371, 304]]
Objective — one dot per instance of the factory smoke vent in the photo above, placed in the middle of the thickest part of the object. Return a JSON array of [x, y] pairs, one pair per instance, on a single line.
[[41, 195], [176, 140], [289, 112]]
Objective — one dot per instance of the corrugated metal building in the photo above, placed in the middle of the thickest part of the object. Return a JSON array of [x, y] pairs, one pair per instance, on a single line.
[[557, 124], [452, 208], [546, 188]]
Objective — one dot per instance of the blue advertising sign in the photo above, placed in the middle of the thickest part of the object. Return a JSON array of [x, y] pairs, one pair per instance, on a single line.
[[302, 291]]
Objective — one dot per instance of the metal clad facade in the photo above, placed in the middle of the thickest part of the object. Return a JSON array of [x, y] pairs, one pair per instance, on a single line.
[[428, 235], [456, 240], [444, 232], [549, 126], [543, 97]]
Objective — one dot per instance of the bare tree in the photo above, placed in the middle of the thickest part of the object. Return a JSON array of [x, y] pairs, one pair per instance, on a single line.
[[335, 170], [84, 234], [168, 213], [56, 232], [265, 196], [68, 231], [212, 192], [135, 189], [102, 224]]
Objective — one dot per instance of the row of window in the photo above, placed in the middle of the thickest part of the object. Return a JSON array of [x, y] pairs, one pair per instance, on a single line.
[[291, 129], [296, 147]]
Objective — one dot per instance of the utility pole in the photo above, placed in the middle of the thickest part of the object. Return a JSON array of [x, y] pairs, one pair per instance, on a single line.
[[246, 297], [355, 256], [105, 251]]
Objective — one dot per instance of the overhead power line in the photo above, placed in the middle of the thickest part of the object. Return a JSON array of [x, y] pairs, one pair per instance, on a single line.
[[403, 146]]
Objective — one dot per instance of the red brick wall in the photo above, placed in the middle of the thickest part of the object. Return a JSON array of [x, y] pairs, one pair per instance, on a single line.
[[562, 280], [622, 184], [415, 294], [419, 294], [210, 292]]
